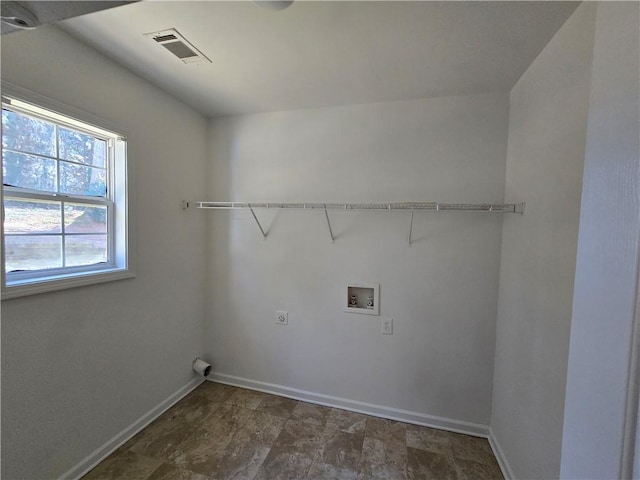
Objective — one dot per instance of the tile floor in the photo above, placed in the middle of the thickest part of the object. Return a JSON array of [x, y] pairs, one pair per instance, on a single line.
[[218, 432]]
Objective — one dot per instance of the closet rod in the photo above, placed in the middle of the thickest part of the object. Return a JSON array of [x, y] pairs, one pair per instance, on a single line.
[[410, 206]]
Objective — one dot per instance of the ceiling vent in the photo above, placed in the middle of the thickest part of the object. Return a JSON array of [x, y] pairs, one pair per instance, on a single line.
[[178, 45]]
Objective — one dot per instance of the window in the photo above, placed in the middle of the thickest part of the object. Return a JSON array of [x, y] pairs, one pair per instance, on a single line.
[[64, 201]]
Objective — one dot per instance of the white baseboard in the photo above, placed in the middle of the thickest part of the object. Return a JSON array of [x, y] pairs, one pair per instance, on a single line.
[[442, 423], [117, 441], [502, 459]]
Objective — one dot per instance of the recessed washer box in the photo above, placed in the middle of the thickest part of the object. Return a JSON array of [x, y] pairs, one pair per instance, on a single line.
[[363, 298]]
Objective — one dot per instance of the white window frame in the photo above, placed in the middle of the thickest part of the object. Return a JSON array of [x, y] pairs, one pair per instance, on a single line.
[[120, 262]]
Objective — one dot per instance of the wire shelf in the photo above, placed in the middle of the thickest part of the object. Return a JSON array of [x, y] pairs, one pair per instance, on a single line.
[[411, 207], [422, 206]]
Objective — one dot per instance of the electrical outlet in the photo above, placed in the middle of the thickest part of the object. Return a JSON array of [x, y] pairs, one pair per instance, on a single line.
[[282, 317], [387, 326]]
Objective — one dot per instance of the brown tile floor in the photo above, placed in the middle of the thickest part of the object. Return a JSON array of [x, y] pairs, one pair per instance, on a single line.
[[218, 432]]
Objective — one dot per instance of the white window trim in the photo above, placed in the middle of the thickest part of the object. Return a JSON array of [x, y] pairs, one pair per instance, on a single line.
[[124, 240]]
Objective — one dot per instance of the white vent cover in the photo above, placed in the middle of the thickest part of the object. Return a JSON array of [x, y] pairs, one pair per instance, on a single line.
[[178, 45]]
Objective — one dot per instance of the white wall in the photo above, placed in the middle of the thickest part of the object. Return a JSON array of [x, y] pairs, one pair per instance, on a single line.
[[78, 366], [547, 133], [441, 291], [596, 413]]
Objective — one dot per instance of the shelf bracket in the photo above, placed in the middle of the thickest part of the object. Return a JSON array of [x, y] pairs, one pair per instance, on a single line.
[[257, 221], [333, 240], [411, 227]]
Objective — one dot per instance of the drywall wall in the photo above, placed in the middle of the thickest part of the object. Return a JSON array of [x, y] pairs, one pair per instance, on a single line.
[[602, 330], [547, 132], [78, 366], [441, 292]]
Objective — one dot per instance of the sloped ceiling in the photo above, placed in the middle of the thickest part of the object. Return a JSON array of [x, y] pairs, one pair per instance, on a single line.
[[322, 53]]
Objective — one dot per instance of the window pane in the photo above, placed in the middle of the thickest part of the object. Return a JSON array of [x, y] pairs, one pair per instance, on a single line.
[[85, 249], [31, 252], [27, 171], [80, 180], [82, 218], [59, 200], [26, 134], [32, 216], [81, 148]]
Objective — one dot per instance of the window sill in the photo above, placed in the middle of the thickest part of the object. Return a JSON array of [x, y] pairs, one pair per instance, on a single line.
[[63, 282]]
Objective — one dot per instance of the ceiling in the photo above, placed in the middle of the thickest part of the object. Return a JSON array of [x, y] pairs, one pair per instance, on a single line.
[[49, 11], [322, 53]]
